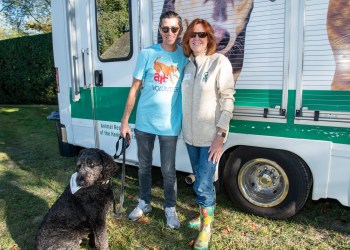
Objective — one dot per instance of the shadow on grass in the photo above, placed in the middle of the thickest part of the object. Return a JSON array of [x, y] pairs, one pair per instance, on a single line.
[[325, 214], [29, 160], [23, 211]]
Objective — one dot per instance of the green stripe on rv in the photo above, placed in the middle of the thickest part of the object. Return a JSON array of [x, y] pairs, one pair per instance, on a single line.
[[110, 103], [268, 98], [333, 100]]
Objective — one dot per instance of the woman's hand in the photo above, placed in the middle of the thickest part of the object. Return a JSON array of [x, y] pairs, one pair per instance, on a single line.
[[215, 149]]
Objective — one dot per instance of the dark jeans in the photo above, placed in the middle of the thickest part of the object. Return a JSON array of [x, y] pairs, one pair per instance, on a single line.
[[167, 145], [204, 171]]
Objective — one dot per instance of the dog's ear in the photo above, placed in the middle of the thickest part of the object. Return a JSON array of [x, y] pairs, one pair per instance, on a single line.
[[109, 166], [81, 152], [78, 164]]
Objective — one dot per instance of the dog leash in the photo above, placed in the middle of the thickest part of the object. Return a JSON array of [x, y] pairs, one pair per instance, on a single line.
[[125, 145]]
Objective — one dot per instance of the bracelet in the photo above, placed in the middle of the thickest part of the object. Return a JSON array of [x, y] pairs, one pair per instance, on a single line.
[[222, 134]]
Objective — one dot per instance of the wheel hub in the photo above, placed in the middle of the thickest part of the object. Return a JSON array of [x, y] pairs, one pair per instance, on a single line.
[[263, 182]]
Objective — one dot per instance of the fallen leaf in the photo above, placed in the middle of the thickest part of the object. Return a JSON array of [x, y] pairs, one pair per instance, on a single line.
[[14, 247], [115, 222], [226, 230], [191, 243], [341, 237], [253, 226], [144, 219]]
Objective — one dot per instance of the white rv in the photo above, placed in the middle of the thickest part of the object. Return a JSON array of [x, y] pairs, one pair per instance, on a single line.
[[290, 134]]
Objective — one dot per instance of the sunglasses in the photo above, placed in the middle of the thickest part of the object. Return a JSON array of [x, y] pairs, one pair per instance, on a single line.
[[200, 34], [166, 29]]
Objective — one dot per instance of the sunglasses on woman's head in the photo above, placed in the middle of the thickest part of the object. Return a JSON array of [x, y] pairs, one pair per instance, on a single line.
[[166, 29]]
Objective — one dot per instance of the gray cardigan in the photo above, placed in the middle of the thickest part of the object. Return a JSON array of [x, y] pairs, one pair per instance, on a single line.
[[207, 98]]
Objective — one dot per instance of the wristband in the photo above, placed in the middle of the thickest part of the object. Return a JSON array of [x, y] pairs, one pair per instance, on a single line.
[[222, 134]]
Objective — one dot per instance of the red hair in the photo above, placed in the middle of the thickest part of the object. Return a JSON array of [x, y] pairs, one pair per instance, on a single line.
[[211, 49]]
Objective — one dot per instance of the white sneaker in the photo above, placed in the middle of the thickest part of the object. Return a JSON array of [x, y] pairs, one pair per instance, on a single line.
[[171, 218], [141, 209]]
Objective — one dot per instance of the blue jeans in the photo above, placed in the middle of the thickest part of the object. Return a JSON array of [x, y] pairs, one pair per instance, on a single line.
[[204, 171], [167, 145]]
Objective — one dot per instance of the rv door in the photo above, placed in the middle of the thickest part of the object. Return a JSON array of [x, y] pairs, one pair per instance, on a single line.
[[79, 19], [116, 41]]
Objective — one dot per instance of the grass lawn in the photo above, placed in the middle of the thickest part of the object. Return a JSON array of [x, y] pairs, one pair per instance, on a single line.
[[33, 175]]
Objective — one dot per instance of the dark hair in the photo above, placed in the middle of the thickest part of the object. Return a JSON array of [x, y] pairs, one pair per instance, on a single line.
[[211, 49], [170, 14]]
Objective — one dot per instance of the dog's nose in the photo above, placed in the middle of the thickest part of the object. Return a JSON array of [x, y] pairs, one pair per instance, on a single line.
[[222, 37]]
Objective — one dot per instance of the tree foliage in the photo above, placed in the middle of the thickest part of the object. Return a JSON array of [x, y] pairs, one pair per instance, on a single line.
[[27, 16], [6, 31], [113, 19]]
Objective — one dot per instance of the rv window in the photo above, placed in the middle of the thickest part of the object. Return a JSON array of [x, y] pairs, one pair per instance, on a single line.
[[113, 29]]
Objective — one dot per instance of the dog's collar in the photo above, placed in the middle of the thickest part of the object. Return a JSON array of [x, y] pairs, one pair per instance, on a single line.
[[74, 187]]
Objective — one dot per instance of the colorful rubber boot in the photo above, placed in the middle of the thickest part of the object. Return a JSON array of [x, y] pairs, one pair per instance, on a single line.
[[206, 216], [195, 223]]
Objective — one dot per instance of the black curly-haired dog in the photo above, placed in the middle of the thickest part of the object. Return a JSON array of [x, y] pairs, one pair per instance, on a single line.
[[83, 213]]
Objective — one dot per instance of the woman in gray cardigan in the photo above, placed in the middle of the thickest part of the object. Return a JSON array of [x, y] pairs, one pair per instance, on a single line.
[[207, 103]]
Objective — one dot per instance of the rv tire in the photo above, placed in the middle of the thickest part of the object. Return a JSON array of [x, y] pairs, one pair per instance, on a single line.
[[65, 149], [267, 182]]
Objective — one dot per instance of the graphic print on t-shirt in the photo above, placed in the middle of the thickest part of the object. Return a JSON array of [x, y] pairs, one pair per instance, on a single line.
[[163, 71], [159, 106]]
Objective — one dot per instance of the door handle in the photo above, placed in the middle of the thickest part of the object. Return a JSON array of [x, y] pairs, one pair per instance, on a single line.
[[75, 84], [83, 51], [98, 78]]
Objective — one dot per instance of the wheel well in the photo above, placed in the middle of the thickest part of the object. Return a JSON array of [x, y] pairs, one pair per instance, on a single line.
[[221, 167], [243, 168]]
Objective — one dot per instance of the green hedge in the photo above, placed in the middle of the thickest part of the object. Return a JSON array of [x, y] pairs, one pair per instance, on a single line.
[[27, 74]]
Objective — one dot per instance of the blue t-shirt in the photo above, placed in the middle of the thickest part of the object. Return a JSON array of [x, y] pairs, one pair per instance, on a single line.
[[159, 108]]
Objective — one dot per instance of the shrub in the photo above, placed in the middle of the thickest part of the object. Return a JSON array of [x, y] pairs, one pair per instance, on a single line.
[[27, 74]]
